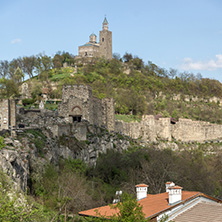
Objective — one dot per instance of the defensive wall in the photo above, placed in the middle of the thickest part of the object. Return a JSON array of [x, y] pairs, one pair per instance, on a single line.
[[185, 130], [79, 108], [7, 114], [79, 104]]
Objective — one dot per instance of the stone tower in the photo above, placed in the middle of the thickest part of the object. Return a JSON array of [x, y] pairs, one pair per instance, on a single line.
[[105, 41]]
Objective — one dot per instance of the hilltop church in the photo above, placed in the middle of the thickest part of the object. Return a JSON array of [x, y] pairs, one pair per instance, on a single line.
[[103, 48]]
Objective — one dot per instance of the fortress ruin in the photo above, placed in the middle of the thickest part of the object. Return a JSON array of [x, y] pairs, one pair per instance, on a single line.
[[78, 104], [79, 108], [7, 114]]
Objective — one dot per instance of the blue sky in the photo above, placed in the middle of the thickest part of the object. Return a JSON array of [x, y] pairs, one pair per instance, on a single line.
[[181, 34]]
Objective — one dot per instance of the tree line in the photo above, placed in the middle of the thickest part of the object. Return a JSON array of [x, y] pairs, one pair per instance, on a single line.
[[136, 86]]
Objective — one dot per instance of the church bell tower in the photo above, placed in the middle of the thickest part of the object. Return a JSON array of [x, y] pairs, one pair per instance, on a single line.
[[105, 41]]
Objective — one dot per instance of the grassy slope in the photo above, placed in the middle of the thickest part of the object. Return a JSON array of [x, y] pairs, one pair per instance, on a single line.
[[140, 91]]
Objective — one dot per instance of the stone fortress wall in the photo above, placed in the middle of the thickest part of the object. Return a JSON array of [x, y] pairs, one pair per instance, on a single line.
[[78, 104], [185, 130], [79, 107], [7, 114]]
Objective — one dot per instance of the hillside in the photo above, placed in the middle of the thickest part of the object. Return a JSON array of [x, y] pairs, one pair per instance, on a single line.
[[65, 174], [54, 175], [139, 88]]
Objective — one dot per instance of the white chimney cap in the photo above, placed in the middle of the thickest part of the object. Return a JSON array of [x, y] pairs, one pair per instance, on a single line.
[[169, 184], [176, 187], [175, 194], [141, 191]]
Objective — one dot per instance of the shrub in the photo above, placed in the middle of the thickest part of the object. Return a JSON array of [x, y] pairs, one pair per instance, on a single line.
[[26, 102], [2, 144]]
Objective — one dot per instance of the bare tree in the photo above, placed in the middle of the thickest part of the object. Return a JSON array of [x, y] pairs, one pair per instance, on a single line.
[[29, 65]]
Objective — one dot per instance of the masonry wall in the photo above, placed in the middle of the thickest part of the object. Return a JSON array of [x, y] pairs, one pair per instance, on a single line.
[[109, 113], [7, 114], [4, 114], [12, 113], [151, 129], [91, 50], [105, 41], [77, 100]]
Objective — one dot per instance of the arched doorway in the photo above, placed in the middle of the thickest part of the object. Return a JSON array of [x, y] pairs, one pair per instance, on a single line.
[[76, 114]]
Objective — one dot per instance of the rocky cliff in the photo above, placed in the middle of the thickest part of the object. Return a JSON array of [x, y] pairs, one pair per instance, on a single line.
[[25, 156]]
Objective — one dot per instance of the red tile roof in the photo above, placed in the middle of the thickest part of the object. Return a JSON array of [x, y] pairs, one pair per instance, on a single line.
[[175, 187], [141, 185], [152, 205], [169, 182]]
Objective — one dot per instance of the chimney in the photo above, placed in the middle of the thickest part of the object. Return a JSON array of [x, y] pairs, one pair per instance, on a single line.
[[141, 191], [175, 194], [169, 184]]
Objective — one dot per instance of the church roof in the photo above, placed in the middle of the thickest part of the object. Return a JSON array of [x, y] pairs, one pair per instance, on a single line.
[[89, 44], [105, 21], [93, 34]]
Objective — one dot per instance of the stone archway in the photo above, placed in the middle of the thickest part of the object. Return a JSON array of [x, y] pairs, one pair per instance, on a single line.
[[76, 114]]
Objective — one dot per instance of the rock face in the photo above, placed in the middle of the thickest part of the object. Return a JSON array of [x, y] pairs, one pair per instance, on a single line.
[[35, 148], [15, 163]]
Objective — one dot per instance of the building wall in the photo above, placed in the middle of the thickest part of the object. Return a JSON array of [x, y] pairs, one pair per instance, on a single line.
[[109, 113], [77, 100], [105, 41], [92, 51], [7, 114]]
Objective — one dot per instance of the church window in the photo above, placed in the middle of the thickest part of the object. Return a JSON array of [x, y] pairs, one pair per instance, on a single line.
[[102, 39]]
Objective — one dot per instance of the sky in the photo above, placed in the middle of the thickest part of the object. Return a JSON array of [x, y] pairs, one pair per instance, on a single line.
[[180, 34]]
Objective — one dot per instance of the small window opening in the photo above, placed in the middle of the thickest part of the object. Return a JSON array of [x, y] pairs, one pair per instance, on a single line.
[[85, 53], [76, 118], [102, 39]]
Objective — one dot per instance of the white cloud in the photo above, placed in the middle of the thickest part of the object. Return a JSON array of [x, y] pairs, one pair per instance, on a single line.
[[213, 64], [14, 41]]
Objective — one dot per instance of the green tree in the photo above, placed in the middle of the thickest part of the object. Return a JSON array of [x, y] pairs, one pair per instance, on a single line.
[[129, 210], [127, 57], [2, 144], [43, 63], [4, 68], [29, 65], [16, 207], [8, 88]]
